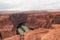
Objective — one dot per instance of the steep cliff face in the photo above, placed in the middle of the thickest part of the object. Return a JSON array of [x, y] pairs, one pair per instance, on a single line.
[[39, 24], [18, 18], [6, 26], [39, 20]]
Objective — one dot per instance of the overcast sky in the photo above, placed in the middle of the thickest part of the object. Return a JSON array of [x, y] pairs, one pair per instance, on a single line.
[[23, 5]]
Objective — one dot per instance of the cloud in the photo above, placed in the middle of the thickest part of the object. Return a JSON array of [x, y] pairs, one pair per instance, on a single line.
[[29, 4]]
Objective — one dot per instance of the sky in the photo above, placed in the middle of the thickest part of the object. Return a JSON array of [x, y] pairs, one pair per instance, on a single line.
[[24, 5]]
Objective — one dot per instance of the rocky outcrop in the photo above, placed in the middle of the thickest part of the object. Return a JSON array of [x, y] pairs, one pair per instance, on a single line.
[[35, 34], [15, 37], [44, 24], [52, 35], [6, 27]]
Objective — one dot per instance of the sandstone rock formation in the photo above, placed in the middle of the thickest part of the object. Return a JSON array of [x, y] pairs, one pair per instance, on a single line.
[[52, 35], [45, 25], [15, 37], [35, 34], [6, 27]]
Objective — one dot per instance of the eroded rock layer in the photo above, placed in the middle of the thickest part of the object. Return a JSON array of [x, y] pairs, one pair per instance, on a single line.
[[42, 26]]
